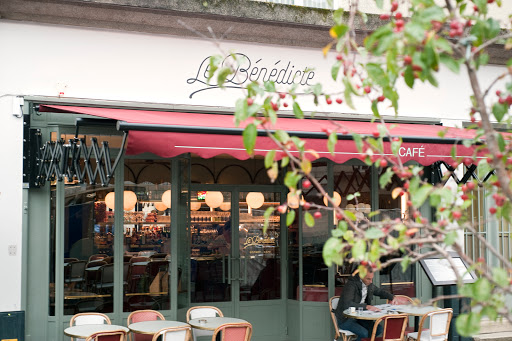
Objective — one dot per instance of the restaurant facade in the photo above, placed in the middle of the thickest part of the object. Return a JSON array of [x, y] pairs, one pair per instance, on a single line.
[[125, 184]]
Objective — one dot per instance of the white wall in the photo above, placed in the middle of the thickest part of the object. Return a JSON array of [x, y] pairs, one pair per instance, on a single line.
[[11, 170], [45, 60]]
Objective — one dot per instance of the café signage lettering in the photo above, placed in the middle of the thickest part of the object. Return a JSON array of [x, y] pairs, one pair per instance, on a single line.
[[416, 151], [247, 70], [261, 241]]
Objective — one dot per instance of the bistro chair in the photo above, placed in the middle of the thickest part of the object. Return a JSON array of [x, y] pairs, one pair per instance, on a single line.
[[105, 279], [88, 318], [439, 326], [233, 332], [394, 328], [202, 311], [173, 334], [345, 335], [404, 300], [114, 335], [140, 316]]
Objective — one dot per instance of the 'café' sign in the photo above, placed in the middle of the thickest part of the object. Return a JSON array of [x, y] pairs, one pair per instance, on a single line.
[[247, 70]]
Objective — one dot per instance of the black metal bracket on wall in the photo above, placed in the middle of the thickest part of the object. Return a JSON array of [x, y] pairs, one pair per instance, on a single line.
[[435, 175], [74, 160]]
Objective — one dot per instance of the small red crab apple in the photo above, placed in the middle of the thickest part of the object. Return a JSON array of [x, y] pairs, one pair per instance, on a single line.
[[456, 215], [282, 209], [306, 183], [306, 205], [250, 101], [492, 210], [317, 215]]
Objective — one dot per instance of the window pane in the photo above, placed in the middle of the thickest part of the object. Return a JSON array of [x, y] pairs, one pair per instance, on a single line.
[[88, 251]]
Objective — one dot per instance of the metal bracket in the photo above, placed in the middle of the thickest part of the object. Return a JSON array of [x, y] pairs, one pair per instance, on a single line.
[[56, 160]]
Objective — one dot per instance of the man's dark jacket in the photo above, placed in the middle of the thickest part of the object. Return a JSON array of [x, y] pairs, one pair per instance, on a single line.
[[352, 294]]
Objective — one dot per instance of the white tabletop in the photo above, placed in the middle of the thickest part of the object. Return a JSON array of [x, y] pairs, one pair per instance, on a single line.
[[213, 322], [93, 268], [364, 315], [416, 310], [86, 330], [151, 327]]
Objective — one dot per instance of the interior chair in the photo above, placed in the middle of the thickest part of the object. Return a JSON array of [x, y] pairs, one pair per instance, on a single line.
[[394, 328], [114, 335], [75, 273], [345, 335], [439, 326], [140, 316], [105, 280], [202, 311], [91, 276], [233, 332], [173, 334], [158, 256], [88, 318]]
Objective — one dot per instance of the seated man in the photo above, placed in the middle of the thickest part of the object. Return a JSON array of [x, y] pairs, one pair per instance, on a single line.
[[358, 292]]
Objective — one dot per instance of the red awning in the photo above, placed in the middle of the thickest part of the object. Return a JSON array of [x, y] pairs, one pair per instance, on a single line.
[[421, 142]]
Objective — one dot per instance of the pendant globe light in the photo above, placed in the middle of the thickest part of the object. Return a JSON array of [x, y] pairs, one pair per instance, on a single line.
[[225, 206], [129, 200], [214, 199], [160, 206], [255, 199], [336, 197], [194, 205], [166, 198]]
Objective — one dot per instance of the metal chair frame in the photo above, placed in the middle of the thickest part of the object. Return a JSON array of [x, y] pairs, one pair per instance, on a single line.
[[164, 331], [386, 318], [97, 336], [448, 311], [339, 332], [130, 317], [223, 327]]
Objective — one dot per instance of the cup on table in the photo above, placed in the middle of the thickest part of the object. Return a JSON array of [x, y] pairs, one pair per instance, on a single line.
[[359, 310], [202, 321], [352, 310]]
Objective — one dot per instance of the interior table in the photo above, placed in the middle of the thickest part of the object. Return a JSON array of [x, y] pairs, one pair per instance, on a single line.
[[211, 323], [152, 327], [86, 330]]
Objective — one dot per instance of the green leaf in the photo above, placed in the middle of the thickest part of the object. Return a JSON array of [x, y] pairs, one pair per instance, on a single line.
[[499, 110], [339, 30], [500, 276], [240, 111], [375, 110], [490, 312], [297, 111], [331, 142], [374, 250], [249, 137], [336, 69], [415, 31], [270, 86], [269, 158], [376, 73], [268, 212], [386, 177], [331, 252], [409, 77], [359, 249], [308, 218], [222, 74], [393, 242], [450, 238], [285, 161], [482, 290], [419, 196], [337, 16], [452, 64], [350, 215], [374, 233], [501, 142], [282, 136], [290, 217], [406, 261], [358, 140], [468, 324], [213, 66]]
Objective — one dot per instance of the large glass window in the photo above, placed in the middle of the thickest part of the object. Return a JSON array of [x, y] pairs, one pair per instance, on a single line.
[[146, 243]]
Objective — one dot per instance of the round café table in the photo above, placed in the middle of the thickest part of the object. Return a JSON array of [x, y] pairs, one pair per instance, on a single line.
[[212, 323], [152, 327], [85, 330], [365, 314]]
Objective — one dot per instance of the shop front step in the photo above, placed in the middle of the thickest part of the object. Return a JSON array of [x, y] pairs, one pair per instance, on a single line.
[[500, 336]]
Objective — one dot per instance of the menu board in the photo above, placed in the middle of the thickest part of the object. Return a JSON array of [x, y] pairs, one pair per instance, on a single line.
[[440, 272]]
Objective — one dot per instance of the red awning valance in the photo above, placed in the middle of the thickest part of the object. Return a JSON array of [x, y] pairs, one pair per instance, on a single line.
[[168, 134]]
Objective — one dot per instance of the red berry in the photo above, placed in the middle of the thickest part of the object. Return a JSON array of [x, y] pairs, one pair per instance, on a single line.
[[456, 215], [468, 161], [409, 203], [385, 17], [364, 263], [339, 57], [399, 23], [339, 216], [381, 98], [328, 100], [339, 100], [492, 210], [383, 163], [376, 134], [275, 107], [282, 95], [398, 15], [470, 185], [464, 197], [250, 101], [394, 6], [442, 223], [480, 260], [306, 183], [306, 205], [367, 89], [407, 60], [282, 209], [317, 215], [498, 93], [285, 105]]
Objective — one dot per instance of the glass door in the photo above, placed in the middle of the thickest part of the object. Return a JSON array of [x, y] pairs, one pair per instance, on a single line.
[[233, 258]]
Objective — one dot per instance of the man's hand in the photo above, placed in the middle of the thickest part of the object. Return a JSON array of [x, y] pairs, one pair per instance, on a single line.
[[372, 308], [394, 301]]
